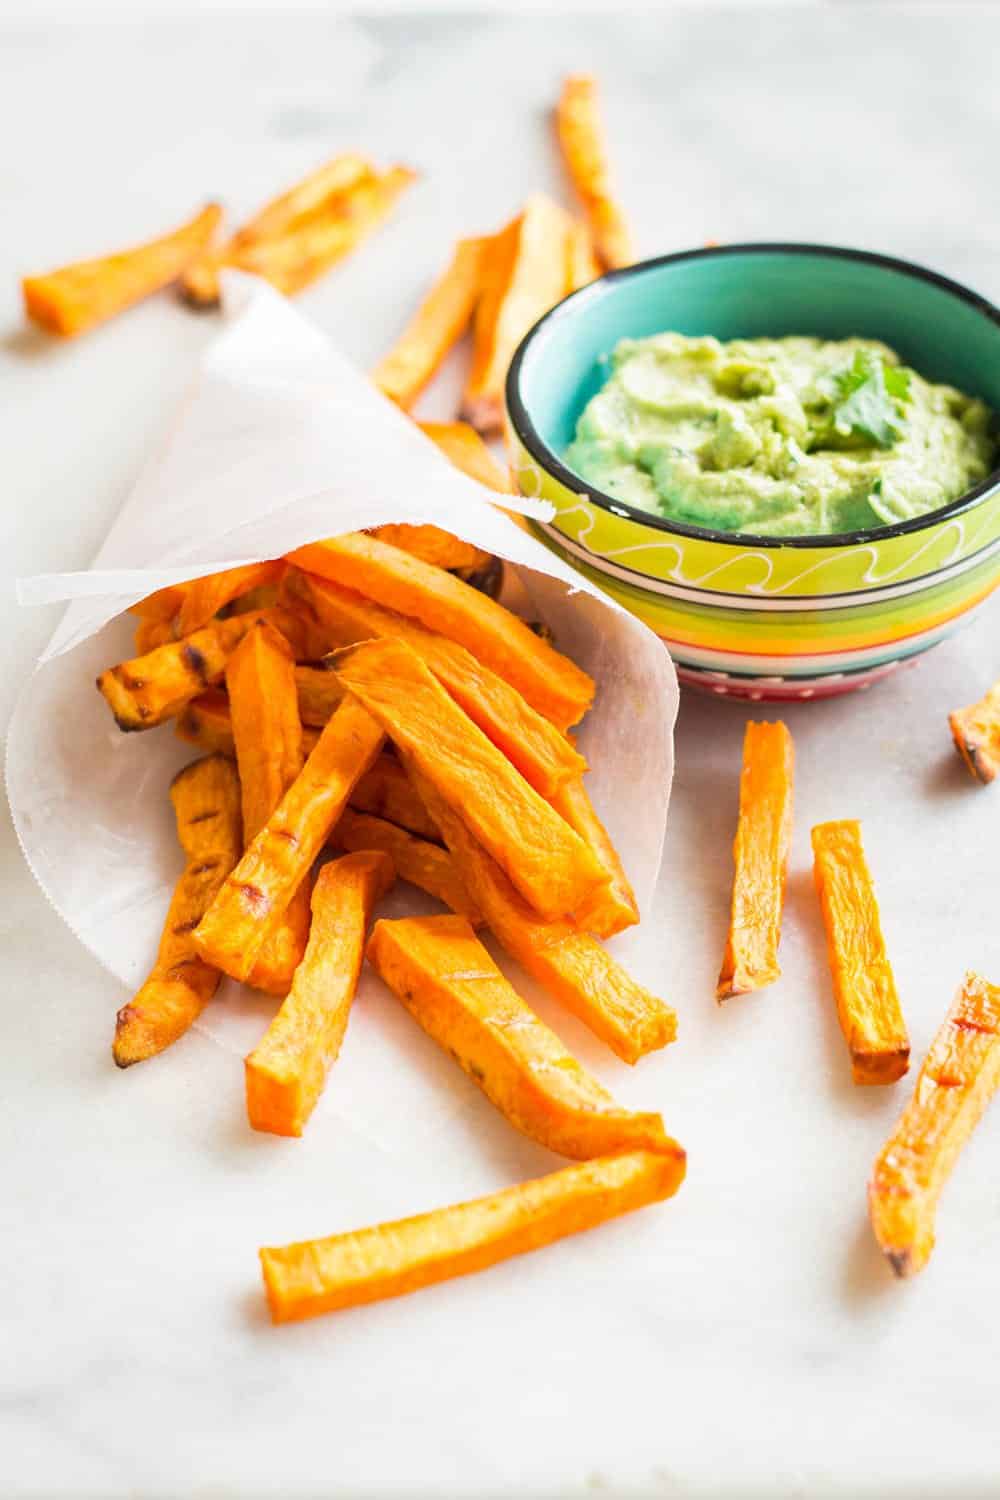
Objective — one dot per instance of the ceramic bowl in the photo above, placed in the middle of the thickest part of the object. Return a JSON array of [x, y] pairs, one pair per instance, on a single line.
[[765, 617]]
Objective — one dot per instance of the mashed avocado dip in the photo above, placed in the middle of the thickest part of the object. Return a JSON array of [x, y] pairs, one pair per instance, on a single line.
[[781, 437]]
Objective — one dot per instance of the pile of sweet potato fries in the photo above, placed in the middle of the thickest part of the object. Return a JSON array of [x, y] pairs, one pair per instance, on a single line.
[[369, 712]]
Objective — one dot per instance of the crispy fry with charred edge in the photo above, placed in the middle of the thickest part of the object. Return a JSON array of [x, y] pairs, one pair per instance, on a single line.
[[433, 545], [863, 982], [148, 689], [547, 861], [389, 1260], [530, 742], [206, 799], [435, 328], [206, 722], [460, 442], [287, 1070], [523, 276], [78, 297], [423, 864], [582, 266], [571, 964], [612, 907], [556, 687], [581, 138], [204, 597], [267, 739], [959, 1076], [453, 989], [976, 732], [760, 853], [255, 896], [293, 260]]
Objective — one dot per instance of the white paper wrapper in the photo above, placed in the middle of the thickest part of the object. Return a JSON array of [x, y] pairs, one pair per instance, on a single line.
[[282, 442]]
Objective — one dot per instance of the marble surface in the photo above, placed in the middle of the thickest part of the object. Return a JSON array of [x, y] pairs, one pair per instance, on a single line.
[[744, 1339]]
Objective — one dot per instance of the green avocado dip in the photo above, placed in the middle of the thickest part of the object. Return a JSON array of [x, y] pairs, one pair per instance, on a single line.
[[778, 437]]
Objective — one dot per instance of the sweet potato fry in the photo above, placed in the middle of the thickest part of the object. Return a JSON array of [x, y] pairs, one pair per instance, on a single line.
[[432, 545], [976, 732], [152, 633], [255, 896], [548, 863], [389, 1260], [581, 138], [319, 694], [863, 982], [551, 683], [80, 296], [206, 799], [148, 689], [306, 198], [612, 907], [162, 605], [462, 444], [959, 1076], [435, 328], [761, 857], [267, 739], [423, 864], [450, 985], [311, 246], [524, 275], [530, 742], [582, 266], [570, 963], [287, 1070], [206, 596], [205, 722], [385, 791]]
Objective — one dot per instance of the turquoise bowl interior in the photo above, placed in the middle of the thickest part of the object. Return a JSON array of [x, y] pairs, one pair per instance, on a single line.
[[942, 329]]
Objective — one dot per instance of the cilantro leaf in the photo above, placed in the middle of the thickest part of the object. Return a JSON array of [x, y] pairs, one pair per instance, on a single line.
[[865, 409]]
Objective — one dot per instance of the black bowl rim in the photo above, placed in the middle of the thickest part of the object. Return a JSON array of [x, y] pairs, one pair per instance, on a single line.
[[542, 453]]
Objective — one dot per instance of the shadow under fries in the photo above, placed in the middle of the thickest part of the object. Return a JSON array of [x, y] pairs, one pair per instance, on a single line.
[[29, 342]]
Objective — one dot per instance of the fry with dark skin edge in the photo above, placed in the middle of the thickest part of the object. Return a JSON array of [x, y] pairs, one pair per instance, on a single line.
[[461, 443], [524, 275], [556, 687], [760, 853], [863, 982], [452, 988], [389, 1260], [544, 757], [255, 896], [435, 328], [612, 907], [145, 691], [976, 732], [206, 799], [287, 1070], [78, 297], [267, 741], [572, 965], [581, 139], [548, 863], [959, 1076], [425, 865]]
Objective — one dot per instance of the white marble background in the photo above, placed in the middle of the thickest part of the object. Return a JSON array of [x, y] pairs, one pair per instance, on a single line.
[[744, 1339]]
